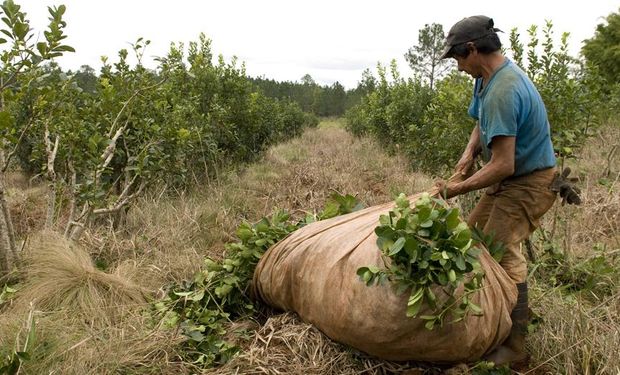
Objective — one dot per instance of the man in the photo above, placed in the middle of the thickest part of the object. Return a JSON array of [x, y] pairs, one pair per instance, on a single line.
[[513, 136]]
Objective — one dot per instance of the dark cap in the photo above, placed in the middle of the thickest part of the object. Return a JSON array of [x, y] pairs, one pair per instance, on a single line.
[[467, 30]]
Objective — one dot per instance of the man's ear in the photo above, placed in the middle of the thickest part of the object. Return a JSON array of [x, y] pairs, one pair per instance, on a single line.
[[471, 47]]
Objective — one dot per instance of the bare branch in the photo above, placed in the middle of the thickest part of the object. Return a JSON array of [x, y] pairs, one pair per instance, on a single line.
[[85, 211], [122, 200], [51, 152], [73, 202], [108, 153]]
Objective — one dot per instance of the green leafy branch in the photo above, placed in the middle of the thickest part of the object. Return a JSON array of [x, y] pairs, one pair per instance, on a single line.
[[203, 307], [495, 248], [423, 247]]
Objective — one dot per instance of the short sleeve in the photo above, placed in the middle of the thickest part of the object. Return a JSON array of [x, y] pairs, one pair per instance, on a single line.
[[501, 114]]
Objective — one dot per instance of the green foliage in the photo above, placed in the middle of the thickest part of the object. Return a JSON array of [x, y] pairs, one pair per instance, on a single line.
[[130, 128], [495, 248], [22, 53], [203, 307], [338, 205], [572, 92], [602, 49], [327, 100], [436, 144], [425, 246], [86, 79], [431, 127], [20, 62], [391, 110], [489, 368], [594, 276], [219, 293]]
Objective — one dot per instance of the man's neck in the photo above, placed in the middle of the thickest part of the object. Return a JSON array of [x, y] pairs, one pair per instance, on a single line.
[[490, 63]]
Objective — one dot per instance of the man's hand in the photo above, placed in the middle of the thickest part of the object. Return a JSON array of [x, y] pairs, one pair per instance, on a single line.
[[465, 165], [447, 189], [566, 187]]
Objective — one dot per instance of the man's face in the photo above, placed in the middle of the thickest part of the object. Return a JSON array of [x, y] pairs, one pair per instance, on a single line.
[[469, 64]]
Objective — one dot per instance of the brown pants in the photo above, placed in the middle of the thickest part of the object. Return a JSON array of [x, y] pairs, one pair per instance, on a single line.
[[512, 213]]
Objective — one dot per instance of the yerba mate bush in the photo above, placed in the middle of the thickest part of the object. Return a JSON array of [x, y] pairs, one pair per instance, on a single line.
[[132, 130], [20, 64], [424, 246]]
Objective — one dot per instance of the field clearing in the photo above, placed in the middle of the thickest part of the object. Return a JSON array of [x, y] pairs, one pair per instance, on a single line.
[[574, 281]]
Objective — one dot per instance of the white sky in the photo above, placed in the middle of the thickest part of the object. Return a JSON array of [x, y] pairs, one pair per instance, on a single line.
[[329, 39]]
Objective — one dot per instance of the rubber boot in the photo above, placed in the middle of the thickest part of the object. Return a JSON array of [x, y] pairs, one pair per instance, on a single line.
[[512, 351]]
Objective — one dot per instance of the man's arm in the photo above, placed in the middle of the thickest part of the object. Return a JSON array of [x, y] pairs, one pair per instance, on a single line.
[[500, 166], [472, 150]]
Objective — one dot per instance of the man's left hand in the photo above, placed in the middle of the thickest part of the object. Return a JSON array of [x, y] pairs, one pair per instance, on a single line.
[[447, 189]]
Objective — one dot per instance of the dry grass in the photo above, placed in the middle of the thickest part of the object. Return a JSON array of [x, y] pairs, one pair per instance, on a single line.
[[598, 219], [167, 237], [27, 206], [61, 276], [286, 345], [65, 345], [576, 337], [87, 321]]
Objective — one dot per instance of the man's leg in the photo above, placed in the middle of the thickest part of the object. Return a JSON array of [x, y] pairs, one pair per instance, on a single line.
[[518, 207], [509, 224], [479, 216]]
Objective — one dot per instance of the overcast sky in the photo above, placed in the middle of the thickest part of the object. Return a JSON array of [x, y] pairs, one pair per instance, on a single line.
[[330, 40]]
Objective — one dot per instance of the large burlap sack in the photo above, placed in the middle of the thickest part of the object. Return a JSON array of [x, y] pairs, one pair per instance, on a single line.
[[313, 273]]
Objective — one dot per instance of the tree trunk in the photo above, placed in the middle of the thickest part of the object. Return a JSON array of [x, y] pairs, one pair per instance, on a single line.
[[8, 248], [51, 206]]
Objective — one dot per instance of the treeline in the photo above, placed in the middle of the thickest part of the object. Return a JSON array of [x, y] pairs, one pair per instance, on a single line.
[[326, 100], [319, 100], [425, 116]]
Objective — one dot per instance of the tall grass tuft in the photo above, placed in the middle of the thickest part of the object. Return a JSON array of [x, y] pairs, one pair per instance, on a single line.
[[60, 275]]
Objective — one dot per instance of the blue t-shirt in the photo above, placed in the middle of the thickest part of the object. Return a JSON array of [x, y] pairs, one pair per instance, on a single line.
[[510, 105]]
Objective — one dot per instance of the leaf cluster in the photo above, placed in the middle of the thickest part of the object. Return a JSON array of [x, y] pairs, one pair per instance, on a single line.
[[204, 307], [495, 248], [22, 53], [602, 49], [427, 247]]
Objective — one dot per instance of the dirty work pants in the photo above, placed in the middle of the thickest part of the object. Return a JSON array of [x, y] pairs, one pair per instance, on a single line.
[[512, 213]]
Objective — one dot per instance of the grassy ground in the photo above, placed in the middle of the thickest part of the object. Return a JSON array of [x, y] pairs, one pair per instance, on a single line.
[[574, 293]]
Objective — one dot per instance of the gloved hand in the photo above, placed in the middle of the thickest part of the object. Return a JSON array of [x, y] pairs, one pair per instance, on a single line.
[[566, 187]]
